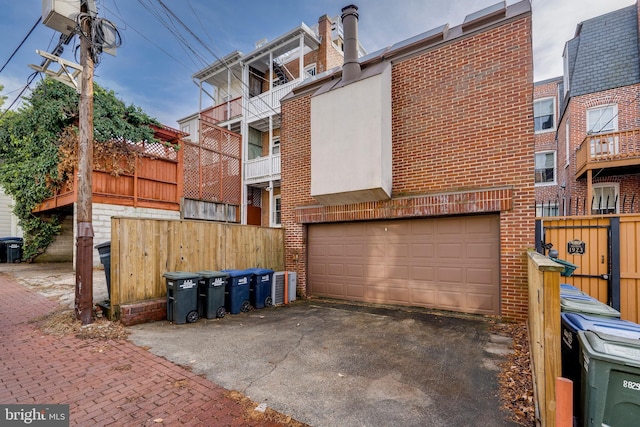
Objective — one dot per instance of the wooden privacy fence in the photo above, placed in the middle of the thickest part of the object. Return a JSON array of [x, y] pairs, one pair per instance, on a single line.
[[142, 250], [544, 333], [605, 249]]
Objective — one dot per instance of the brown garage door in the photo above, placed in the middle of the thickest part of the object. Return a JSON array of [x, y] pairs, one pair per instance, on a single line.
[[445, 263]]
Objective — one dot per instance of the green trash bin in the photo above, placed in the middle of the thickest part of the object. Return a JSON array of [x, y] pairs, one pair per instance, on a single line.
[[569, 268], [182, 297], [610, 393], [591, 306], [211, 288]]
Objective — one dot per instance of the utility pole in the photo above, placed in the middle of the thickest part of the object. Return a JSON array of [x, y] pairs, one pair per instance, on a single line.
[[84, 243]]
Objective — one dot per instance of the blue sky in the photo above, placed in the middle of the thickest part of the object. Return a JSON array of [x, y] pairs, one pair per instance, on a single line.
[[153, 70]]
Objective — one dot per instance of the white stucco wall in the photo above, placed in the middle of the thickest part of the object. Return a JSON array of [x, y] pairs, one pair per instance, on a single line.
[[351, 157]]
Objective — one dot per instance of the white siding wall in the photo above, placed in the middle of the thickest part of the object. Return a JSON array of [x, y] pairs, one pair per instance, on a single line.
[[102, 221], [8, 221]]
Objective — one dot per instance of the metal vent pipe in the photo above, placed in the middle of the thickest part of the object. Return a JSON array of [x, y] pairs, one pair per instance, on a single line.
[[351, 68]]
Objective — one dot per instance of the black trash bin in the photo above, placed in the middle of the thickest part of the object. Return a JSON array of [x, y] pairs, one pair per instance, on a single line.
[[3, 247], [211, 289], [104, 249], [237, 290], [182, 297], [260, 288], [14, 249]]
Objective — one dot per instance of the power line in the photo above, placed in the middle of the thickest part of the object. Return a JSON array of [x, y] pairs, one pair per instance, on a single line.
[[21, 43]]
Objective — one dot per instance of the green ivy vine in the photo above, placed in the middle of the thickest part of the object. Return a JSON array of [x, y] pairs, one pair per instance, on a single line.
[[30, 154]]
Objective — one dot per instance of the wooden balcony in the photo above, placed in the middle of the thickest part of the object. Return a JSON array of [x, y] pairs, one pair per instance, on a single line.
[[613, 152], [155, 181]]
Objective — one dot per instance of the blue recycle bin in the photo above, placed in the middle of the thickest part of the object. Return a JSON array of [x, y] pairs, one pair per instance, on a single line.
[[260, 289], [572, 323], [237, 291], [567, 289]]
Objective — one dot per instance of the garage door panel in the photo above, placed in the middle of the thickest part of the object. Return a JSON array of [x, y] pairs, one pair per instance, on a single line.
[[481, 276], [481, 303], [450, 251], [355, 270], [448, 263], [423, 273], [422, 250], [480, 251], [450, 274], [451, 298], [424, 297]]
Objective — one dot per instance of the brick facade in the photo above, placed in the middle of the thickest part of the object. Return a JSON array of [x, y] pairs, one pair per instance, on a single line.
[[546, 141], [576, 115], [462, 144]]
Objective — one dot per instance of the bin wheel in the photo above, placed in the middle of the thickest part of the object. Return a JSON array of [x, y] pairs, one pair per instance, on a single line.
[[220, 312], [268, 302], [192, 316], [245, 306]]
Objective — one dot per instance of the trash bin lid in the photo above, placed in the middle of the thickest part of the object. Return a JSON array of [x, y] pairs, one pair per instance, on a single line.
[[103, 245], [208, 274], [180, 275], [260, 271], [238, 273], [594, 307], [6, 239], [608, 325], [610, 348], [574, 296]]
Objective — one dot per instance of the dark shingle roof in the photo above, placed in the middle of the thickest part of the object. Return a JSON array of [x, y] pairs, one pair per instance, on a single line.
[[604, 53]]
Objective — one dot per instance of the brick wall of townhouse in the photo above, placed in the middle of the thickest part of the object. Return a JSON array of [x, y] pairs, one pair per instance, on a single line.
[[463, 143], [545, 141], [628, 118]]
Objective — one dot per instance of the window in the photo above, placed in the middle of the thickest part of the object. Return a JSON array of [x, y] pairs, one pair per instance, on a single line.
[[605, 198], [275, 146], [545, 167], [310, 71], [277, 215], [544, 114], [602, 119], [546, 210], [567, 144]]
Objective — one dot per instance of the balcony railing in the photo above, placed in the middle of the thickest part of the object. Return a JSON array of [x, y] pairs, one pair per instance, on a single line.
[[268, 103], [608, 150], [262, 169], [224, 112]]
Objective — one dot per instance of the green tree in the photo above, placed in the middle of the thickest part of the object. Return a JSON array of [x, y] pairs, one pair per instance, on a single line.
[[34, 144]]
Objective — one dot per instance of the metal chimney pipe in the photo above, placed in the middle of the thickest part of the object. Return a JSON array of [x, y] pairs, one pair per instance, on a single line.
[[351, 68]]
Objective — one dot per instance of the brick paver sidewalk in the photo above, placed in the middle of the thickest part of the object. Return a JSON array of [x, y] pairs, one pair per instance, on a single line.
[[104, 382]]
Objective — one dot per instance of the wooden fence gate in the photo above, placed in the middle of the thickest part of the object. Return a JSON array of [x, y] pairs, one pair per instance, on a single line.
[[605, 249]]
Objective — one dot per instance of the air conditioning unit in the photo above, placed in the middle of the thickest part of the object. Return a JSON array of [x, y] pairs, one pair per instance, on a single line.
[[284, 283], [60, 15]]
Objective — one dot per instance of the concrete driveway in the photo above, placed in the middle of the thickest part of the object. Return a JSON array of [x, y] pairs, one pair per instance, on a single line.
[[328, 363]]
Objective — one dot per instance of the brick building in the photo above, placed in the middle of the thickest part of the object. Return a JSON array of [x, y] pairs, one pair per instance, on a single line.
[[549, 192], [599, 120], [245, 92], [408, 176]]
